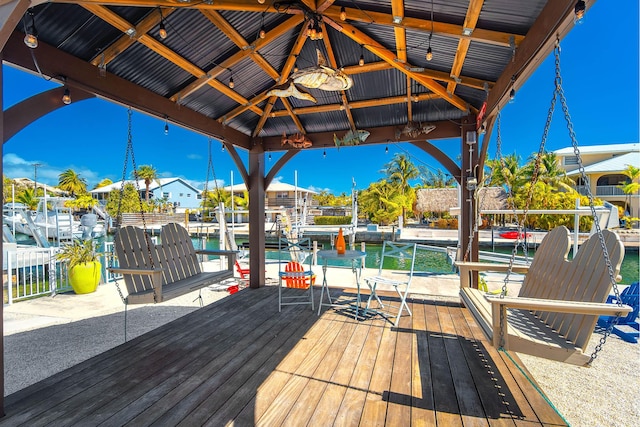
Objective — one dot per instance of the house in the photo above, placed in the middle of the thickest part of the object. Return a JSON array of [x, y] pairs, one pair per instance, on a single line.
[[604, 166], [279, 196], [175, 190]]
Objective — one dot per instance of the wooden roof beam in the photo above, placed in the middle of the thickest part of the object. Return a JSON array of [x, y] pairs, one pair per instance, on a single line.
[[433, 74], [125, 41], [234, 59], [470, 21], [388, 56], [228, 30], [334, 64], [358, 104], [397, 10], [286, 70], [361, 14]]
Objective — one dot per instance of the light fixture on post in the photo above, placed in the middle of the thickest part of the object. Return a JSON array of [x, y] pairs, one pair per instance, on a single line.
[[66, 96], [343, 14], [163, 31], [31, 36], [361, 61], [580, 10]]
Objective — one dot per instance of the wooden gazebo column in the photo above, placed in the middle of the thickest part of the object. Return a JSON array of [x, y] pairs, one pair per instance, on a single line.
[[470, 174], [256, 186]]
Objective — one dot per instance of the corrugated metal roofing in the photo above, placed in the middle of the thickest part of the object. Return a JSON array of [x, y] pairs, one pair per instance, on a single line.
[[195, 38]]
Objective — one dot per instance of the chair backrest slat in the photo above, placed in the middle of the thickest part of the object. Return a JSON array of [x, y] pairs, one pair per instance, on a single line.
[[133, 251]]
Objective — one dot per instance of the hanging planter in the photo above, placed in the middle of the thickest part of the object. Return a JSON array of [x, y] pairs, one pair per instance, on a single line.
[[84, 265]]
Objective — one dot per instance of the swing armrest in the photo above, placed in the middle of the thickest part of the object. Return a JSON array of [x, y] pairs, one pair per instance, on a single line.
[[231, 255], [557, 306], [466, 268]]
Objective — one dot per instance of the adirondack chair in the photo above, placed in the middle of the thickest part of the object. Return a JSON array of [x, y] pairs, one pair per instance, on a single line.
[[556, 310], [158, 273], [627, 327], [294, 274]]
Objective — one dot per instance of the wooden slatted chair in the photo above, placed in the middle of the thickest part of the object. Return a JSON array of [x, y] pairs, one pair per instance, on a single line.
[[294, 274], [158, 273], [403, 254], [559, 303]]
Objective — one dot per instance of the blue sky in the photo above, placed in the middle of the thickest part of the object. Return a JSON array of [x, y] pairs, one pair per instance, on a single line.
[[600, 74]]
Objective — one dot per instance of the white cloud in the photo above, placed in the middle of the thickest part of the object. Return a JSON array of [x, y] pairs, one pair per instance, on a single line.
[[16, 167]]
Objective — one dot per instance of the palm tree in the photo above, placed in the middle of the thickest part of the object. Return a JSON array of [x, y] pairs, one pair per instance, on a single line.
[[72, 183], [632, 186], [149, 174], [401, 170], [103, 183], [28, 198], [381, 202], [549, 172]]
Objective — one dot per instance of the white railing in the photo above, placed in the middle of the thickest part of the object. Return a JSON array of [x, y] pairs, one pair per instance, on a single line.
[[34, 272], [609, 190]]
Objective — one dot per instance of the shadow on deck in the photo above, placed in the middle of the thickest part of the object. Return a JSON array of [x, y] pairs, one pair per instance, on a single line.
[[238, 361]]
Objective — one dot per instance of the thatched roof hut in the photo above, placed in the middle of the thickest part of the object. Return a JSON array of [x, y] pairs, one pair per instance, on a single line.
[[443, 199]]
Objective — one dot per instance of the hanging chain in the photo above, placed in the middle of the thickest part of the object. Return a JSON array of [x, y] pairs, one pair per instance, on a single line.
[[583, 176]]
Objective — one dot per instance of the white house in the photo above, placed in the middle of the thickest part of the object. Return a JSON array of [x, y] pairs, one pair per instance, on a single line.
[[603, 166], [175, 190]]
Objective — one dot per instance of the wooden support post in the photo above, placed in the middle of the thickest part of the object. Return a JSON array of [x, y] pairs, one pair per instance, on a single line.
[[468, 183], [256, 186]]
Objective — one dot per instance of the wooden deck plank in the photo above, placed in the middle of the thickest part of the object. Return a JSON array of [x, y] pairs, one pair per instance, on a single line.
[[447, 411], [240, 362], [422, 410]]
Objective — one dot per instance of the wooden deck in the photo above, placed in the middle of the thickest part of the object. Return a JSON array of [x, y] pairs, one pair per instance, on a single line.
[[240, 362]]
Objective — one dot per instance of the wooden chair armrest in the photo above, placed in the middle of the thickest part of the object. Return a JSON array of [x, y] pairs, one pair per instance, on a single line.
[[139, 271], [557, 306], [231, 255], [467, 267]]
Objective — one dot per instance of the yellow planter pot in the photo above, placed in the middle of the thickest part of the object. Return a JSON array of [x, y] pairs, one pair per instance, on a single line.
[[85, 278]]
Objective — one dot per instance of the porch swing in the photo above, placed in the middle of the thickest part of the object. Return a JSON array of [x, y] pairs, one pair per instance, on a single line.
[[157, 273], [556, 310]]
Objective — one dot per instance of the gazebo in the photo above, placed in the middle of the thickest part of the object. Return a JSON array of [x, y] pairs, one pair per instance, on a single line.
[[266, 76]]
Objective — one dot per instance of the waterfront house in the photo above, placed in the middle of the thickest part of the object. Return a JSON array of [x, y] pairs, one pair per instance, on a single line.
[[604, 166], [176, 191]]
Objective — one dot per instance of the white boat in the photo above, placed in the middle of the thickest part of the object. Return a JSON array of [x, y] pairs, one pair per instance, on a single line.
[[52, 220]]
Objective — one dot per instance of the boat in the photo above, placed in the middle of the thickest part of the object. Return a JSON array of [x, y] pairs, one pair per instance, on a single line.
[[52, 220], [513, 234]]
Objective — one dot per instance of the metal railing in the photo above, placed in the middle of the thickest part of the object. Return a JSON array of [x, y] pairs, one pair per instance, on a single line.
[[602, 190], [34, 272]]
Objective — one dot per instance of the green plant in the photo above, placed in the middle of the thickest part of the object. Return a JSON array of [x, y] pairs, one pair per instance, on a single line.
[[79, 252]]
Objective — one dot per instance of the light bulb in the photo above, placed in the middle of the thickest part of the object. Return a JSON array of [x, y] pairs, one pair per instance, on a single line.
[[166, 128], [66, 97], [231, 83], [31, 40], [261, 1], [512, 95], [269, 156], [324, 154], [295, 67], [361, 61], [263, 33], [429, 54], [162, 32], [386, 150], [343, 14]]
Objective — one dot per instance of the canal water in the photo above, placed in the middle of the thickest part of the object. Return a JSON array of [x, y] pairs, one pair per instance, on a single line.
[[437, 262]]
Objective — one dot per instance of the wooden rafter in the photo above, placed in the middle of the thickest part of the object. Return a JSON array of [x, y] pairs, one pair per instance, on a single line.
[[334, 64], [112, 18], [125, 41], [358, 104], [360, 14], [432, 74], [286, 70], [271, 36], [409, 100], [388, 56], [470, 21], [397, 10]]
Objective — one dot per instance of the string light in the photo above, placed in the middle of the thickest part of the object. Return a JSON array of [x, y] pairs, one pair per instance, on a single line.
[[386, 149], [261, 1], [31, 37], [343, 14], [222, 149], [512, 93], [231, 83], [324, 153], [166, 126], [163, 31], [66, 97], [429, 51], [269, 156], [263, 32], [361, 61]]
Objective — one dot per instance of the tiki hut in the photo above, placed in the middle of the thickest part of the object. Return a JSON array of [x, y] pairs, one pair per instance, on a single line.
[[444, 199]]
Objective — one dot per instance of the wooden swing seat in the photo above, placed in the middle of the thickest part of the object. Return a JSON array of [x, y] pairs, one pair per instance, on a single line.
[[558, 306], [175, 270]]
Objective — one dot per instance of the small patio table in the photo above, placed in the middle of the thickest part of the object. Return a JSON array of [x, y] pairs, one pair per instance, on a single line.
[[356, 267]]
